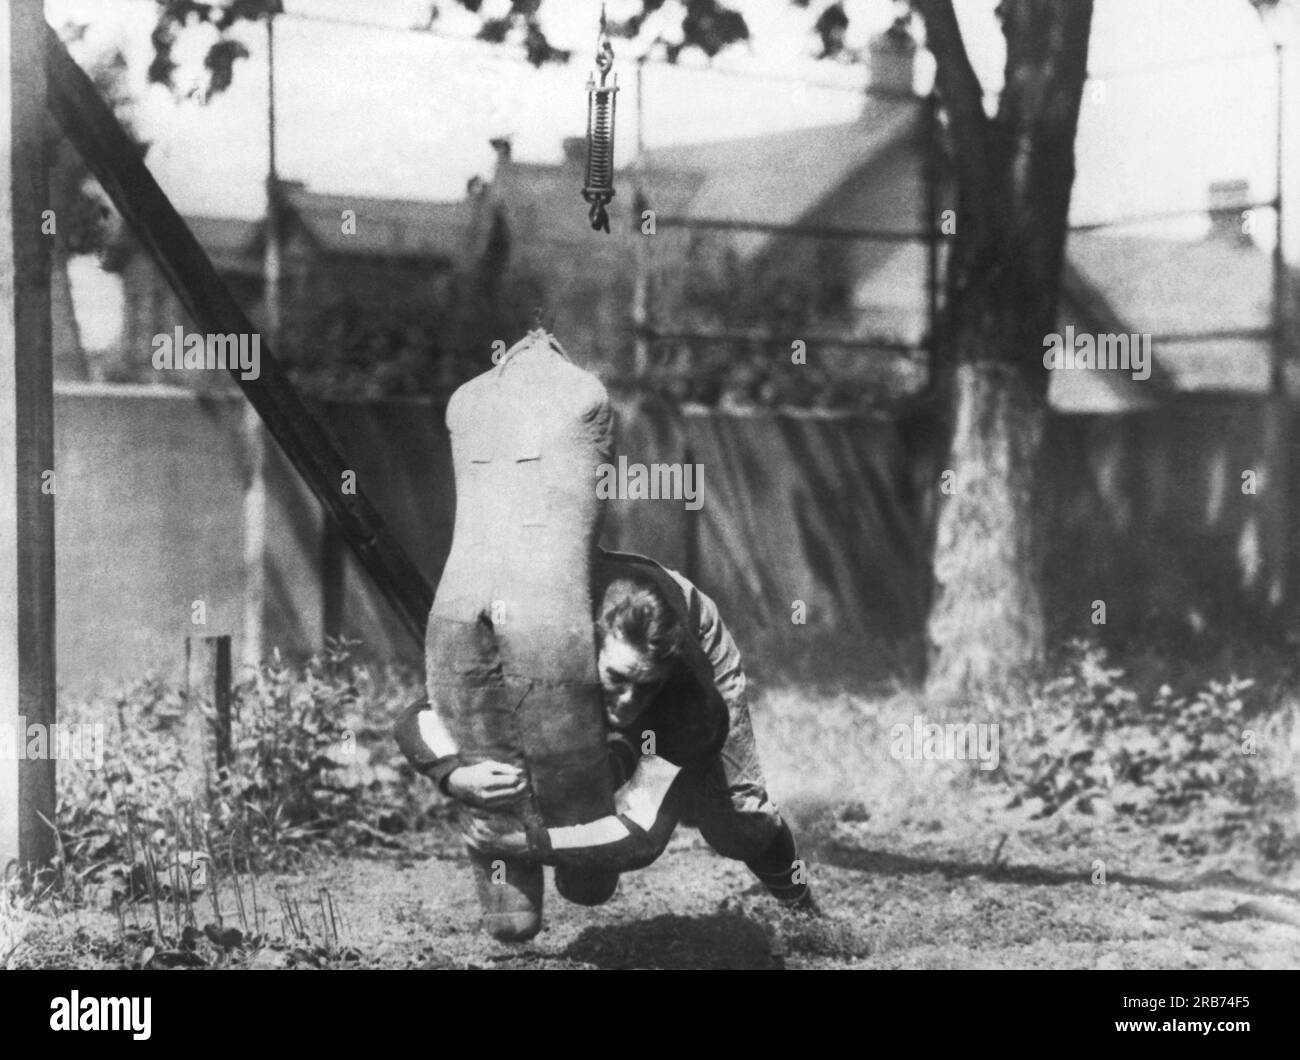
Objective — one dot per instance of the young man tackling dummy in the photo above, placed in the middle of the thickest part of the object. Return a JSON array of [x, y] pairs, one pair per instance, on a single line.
[[681, 742]]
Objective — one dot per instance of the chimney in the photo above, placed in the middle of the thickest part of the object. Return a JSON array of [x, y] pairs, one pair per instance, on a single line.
[[575, 151], [1229, 199], [501, 145], [893, 61]]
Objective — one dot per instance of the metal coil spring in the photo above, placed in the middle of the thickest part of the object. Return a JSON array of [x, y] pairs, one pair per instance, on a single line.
[[600, 157]]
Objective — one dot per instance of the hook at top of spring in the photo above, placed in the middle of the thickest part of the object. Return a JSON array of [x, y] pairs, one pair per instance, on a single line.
[[604, 49]]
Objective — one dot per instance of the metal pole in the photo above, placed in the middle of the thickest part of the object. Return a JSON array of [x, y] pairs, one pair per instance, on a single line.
[[1277, 422], [1274, 497], [932, 230], [271, 259], [1277, 374], [641, 281], [722, 224], [255, 498]]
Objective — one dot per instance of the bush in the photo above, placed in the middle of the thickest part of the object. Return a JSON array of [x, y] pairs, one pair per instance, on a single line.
[[309, 768], [293, 736], [1090, 736], [312, 762]]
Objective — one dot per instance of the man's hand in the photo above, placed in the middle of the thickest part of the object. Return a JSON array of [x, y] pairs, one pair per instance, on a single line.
[[487, 784]]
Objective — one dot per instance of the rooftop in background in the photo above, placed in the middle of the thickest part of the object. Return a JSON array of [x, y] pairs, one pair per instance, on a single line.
[[1168, 288], [384, 227], [784, 177], [388, 228]]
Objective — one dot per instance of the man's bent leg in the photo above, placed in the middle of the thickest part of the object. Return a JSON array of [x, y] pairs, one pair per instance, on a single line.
[[749, 828], [781, 871], [738, 820]]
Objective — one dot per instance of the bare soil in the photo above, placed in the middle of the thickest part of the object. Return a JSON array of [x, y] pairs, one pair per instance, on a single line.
[[916, 865], [932, 900]]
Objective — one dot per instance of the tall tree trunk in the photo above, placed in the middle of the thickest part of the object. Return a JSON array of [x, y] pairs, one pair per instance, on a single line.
[[987, 615], [1014, 174]]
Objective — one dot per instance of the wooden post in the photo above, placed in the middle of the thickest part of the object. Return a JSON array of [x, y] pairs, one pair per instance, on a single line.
[[207, 689], [26, 442], [27, 677], [221, 697], [333, 580]]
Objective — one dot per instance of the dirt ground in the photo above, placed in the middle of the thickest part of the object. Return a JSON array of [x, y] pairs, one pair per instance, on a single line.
[[935, 900], [916, 865], [930, 897]]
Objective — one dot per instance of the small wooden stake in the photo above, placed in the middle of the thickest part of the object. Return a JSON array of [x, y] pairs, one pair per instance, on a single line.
[[207, 683]]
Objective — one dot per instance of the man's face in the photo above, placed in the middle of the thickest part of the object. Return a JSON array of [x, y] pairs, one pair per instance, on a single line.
[[629, 679]]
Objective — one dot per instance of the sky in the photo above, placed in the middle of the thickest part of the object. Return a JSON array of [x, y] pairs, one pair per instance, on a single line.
[[1182, 93]]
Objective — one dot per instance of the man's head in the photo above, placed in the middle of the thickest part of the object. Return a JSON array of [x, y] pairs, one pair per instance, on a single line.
[[638, 640]]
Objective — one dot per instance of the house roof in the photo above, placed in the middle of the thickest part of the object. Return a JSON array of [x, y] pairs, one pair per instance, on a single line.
[[1142, 284], [780, 178], [384, 227], [394, 228], [229, 242], [223, 235], [1168, 288]]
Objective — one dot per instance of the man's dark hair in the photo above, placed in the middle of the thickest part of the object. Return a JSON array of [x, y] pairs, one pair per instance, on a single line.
[[638, 614]]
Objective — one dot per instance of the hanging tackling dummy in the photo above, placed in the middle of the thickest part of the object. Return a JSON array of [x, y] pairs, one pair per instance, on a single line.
[[510, 655]]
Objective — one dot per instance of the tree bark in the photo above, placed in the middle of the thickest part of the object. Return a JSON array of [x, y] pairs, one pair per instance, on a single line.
[[987, 617], [1014, 175]]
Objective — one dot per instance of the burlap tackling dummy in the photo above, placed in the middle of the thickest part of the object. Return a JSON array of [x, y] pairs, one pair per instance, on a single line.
[[510, 653]]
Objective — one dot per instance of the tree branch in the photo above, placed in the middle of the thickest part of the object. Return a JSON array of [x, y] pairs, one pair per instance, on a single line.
[[959, 88], [1047, 64]]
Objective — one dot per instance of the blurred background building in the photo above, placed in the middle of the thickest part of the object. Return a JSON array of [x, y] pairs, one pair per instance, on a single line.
[[724, 254]]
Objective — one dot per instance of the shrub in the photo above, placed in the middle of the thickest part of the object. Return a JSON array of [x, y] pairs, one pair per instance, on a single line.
[[311, 748], [1157, 756]]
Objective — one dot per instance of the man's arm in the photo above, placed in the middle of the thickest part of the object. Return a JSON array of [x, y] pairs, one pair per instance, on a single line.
[[632, 837], [715, 640], [431, 749], [427, 743], [693, 711]]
